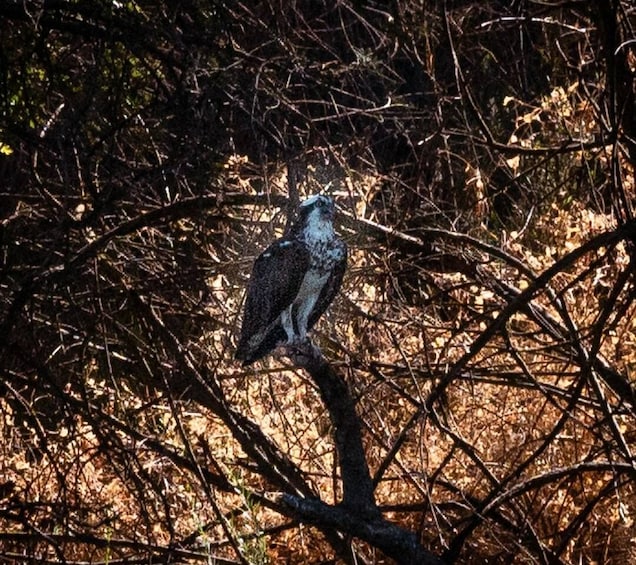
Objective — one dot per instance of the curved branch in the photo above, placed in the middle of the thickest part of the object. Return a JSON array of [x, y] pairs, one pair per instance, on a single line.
[[357, 486], [358, 514]]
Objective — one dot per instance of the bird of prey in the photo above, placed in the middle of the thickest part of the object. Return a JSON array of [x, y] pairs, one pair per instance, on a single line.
[[293, 282]]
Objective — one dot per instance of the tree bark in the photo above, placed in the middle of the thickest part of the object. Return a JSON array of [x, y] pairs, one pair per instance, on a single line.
[[358, 514]]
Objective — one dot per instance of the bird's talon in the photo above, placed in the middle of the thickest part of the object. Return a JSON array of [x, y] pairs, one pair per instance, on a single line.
[[302, 351]]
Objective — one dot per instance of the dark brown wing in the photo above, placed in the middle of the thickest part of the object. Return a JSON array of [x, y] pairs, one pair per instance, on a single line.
[[274, 283], [329, 291]]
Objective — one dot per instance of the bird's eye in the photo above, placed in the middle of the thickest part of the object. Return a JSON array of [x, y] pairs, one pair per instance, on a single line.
[[320, 203]]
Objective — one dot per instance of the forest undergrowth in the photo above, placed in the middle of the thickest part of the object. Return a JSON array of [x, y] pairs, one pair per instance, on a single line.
[[481, 156]]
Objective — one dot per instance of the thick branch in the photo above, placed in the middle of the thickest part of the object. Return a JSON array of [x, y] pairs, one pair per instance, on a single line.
[[358, 514], [393, 541], [357, 486]]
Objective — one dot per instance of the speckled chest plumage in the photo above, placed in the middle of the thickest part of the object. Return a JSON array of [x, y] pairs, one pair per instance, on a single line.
[[325, 253]]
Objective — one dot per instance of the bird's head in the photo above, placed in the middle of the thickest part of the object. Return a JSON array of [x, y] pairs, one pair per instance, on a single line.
[[316, 216], [318, 205]]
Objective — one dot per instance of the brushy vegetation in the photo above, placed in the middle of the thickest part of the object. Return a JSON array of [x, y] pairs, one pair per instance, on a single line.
[[482, 155]]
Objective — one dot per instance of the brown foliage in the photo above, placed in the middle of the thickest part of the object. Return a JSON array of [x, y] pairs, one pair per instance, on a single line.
[[483, 158]]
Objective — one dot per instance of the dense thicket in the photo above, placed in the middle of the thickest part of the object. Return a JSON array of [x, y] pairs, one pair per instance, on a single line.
[[482, 155]]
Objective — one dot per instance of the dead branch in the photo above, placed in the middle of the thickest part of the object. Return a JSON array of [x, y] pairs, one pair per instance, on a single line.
[[358, 514]]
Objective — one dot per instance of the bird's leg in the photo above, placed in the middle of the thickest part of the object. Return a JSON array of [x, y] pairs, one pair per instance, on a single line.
[[302, 319], [296, 333], [287, 322]]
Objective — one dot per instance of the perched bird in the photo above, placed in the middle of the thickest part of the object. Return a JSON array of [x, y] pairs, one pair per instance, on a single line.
[[293, 282]]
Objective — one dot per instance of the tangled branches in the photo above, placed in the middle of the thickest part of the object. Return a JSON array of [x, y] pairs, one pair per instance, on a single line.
[[482, 348]]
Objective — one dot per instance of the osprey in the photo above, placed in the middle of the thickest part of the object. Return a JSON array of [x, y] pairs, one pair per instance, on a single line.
[[293, 282]]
